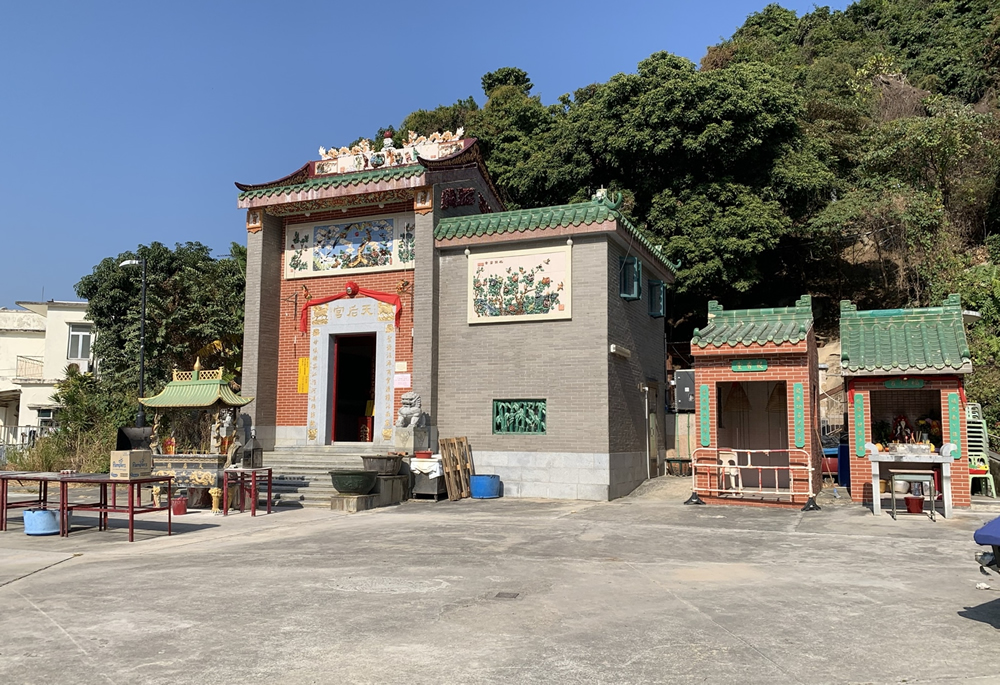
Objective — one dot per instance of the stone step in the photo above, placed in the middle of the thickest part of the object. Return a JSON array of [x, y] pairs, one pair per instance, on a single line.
[[352, 448], [315, 460], [317, 501], [319, 467]]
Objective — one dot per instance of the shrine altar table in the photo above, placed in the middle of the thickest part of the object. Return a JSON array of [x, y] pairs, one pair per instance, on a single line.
[[905, 460]]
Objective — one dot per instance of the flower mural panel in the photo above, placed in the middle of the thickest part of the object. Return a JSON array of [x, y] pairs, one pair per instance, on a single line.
[[516, 285], [370, 244]]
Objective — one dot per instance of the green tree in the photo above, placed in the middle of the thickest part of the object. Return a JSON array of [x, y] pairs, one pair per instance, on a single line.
[[442, 118], [506, 76], [193, 300]]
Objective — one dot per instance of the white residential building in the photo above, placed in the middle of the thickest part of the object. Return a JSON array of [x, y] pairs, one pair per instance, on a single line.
[[37, 343]]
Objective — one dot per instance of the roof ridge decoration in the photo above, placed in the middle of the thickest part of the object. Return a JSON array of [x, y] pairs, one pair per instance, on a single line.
[[598, 209], [747, 327], [915, 340], [363, 155], [333, 181]]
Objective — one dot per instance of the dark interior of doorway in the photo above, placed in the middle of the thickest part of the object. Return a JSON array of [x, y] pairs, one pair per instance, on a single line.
[[354, 374]]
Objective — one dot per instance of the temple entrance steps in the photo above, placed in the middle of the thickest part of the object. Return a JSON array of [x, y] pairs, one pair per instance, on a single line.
[[300, 474]]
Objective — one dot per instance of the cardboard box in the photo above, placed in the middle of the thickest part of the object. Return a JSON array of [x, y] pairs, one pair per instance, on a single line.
[[127, 464]]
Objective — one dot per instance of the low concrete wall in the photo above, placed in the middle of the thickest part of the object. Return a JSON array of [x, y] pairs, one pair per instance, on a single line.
[[290, 436], [628, 471], [552, 475]]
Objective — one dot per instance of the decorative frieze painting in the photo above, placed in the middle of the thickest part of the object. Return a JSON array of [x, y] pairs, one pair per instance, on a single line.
[[354, 246], [520, 285]]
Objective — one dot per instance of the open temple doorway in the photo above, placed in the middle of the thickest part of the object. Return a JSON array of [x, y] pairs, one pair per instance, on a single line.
[[753, 432], [354, 387]]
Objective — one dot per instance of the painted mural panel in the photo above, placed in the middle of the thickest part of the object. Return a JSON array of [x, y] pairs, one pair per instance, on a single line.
[[520, 285], [355, 246]]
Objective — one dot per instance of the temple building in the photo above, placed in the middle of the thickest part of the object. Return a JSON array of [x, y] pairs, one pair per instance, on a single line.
[[382, 277]]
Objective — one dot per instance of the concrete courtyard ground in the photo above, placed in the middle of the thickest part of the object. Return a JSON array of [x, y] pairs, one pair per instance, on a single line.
[[640, 590]]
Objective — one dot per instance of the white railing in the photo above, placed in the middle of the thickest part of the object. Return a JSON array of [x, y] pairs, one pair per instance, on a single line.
[[30, 367], [22, 436], [728, 477]]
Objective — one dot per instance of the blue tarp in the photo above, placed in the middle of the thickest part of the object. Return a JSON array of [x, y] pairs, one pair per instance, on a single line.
[[988, 534]]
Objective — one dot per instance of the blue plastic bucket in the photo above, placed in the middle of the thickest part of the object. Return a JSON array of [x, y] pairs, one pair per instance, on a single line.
[[41, 522], [484, 487]]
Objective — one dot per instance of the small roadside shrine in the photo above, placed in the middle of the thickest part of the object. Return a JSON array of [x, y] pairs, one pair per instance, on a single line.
[[202, 439], [904, 372], [756, 375]]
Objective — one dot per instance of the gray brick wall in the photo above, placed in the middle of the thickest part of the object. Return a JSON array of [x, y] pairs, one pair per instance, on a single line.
[[563, 362], [260, 328], [425, 289], [426, 283], [630, 325]]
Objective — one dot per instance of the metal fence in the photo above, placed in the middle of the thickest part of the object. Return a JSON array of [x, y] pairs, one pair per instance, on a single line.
[[23, 436], [831, 413], [30, 367], [734, 474]]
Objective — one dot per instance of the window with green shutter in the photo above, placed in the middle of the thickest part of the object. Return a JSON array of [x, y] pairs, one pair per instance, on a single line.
[[630, 278], [657, 297]]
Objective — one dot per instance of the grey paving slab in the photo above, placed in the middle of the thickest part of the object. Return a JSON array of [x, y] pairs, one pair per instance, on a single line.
[[640, 590]]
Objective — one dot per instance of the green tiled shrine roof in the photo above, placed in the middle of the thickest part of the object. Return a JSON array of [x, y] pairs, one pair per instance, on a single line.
[[339, 180], [747, 327], [596, 211], [194, 394], [928, 340]]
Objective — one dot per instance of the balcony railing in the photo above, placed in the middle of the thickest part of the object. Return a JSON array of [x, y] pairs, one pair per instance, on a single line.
[[30, 367], [23, 435]]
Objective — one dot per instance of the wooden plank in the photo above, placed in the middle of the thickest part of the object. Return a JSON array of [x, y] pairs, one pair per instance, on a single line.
[[462, 452], [449, 463]]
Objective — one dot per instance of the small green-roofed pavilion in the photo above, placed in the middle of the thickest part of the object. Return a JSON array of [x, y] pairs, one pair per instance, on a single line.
[[196, 389], [745, 327], [928, 340]]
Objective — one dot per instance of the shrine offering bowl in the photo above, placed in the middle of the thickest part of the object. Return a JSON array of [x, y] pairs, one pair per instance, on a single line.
[[383, 465], [353, 481]]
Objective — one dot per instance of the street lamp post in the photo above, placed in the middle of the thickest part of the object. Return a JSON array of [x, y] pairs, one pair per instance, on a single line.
[[140, 419]]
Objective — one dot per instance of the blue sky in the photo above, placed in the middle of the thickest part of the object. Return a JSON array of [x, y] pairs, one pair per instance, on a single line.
[[127, 122]]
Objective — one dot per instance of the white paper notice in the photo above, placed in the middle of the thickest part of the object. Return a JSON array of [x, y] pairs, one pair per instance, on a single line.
[[401, 380]]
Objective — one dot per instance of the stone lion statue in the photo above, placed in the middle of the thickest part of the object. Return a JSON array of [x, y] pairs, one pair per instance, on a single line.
[[410, 415]]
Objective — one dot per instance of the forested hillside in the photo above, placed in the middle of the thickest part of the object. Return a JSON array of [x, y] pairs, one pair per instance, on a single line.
[[850, 155]]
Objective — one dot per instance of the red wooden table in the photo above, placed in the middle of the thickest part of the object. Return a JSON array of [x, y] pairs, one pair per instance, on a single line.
[[42, 478], [103, 507], [247, 480]]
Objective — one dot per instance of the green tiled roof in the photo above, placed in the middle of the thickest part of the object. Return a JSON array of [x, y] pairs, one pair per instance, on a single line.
[[776, 325], [338, 180], [181, 394], [597, 210], [928, 340]]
